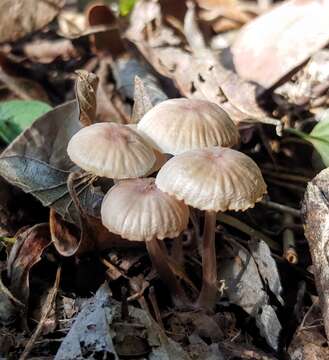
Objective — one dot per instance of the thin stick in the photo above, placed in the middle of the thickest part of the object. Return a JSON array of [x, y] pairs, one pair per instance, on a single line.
[[289, 244], [46, 309], [155, 306], [282, 208], [231, 221]]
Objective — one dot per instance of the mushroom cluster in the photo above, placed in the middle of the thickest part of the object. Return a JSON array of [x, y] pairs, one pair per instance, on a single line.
[[203, 173]]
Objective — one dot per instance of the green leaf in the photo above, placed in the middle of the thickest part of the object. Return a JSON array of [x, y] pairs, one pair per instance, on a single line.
[[319, 138], [126, 6], [17, 115]]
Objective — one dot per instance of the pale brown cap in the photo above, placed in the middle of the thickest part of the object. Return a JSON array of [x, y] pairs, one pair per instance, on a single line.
[[214, 179], [160, 158], [111, 150], [138, 210], [178, 125]]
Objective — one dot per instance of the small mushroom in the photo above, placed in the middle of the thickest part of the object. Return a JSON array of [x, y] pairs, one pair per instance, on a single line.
[[138, 211], [214, 179], [111, 150], [178, 125], [160, 158]]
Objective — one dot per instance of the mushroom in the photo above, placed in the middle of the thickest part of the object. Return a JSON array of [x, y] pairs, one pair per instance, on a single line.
[[178, 125], [138, 211], [160, 158], [111, 150], [213, 179]]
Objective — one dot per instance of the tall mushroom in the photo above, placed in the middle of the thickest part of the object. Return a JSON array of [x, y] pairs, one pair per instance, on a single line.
[[111, 150], [213, 179], [138, 211], [178, 125]]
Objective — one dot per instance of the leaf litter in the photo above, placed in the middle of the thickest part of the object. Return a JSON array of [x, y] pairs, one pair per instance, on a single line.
[[122, 66]]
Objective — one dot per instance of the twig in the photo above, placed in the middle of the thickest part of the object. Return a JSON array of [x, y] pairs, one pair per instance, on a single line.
[[46, 309], [124, 304], [292, 187], [155, 306], [289, 244], [282, 208], [231, 221], [283, 176]]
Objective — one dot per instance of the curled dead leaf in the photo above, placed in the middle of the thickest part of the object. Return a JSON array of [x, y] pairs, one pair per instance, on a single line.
[[86, 88], [26, 252], [197, 74], [263, 50], [21, 17], [45, 51]]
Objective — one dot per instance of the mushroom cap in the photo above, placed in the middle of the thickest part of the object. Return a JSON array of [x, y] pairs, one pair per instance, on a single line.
[[178, 125], [138, 210], [160, 158], [214, 179], [111, 150]]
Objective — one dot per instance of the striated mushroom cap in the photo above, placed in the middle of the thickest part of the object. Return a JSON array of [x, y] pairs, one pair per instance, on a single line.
[[111, 150], [138, 210], [214, 179], [160, 158], [178, 125]]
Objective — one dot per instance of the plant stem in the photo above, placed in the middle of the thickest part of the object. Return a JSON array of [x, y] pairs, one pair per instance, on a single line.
[[161, 263], [208, 292]]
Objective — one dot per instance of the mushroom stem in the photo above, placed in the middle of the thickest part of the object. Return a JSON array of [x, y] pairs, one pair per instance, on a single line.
[[161, 263], [208, 292]]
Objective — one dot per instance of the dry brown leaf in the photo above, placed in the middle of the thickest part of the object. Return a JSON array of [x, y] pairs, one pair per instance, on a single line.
[[45, 51], [274, 44], [25, 253], [198, 74], [71, 24], [107, 98], [85, 89], [16, 78], [24, 88], [309, 342], [109, 40], [21, 17]]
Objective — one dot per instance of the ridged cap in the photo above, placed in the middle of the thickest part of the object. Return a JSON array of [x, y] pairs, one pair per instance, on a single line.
[[111, 150], [138, 210], [178, 125], [214, 179], [160, 158]]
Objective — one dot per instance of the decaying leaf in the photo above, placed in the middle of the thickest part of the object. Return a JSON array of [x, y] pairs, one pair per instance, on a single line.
[[37, 162], [316, 220], [126, 68], [72, 24], [309, 342], [310, 84], [142, 101], [9, 305], [100, 332], [64, 235], [245, 287], [109, 40], [109, 104], [45, 51], [21, 17], [24, 88], [263, 50], [198, 74], [25, 253], [85, 89]]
